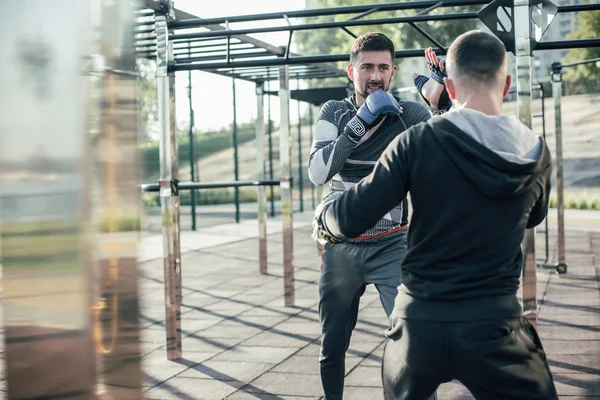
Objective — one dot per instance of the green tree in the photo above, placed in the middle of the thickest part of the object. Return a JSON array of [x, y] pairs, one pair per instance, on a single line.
[[404, 36], [148, 96], [583, 78]]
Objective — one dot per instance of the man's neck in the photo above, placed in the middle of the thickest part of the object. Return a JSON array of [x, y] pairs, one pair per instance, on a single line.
[[483, 102], [357, 100]]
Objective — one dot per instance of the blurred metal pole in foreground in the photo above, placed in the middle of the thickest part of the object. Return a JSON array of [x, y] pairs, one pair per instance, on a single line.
[[68, 200]]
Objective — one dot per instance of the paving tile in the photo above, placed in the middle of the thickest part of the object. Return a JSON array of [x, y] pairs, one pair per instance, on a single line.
[[276, 338], [256, 354], [227, 370], [574, 364], [290, 384], [571, 346], [364, 376], [565, 332], [193, 389], [299, 365], [362, 393], [241, 395], [577, 384]]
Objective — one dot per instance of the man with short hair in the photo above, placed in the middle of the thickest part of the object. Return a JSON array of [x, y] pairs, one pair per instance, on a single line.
[[477, 180], [350, 136]]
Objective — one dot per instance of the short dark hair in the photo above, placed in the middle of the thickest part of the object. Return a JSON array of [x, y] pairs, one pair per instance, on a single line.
[[371, 41], [478, 55]]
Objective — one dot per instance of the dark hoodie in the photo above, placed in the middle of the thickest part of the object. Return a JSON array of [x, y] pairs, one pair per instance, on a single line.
[[476, 182]]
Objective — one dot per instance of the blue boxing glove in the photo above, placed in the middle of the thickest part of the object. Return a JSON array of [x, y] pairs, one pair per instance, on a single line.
[[376, 106]]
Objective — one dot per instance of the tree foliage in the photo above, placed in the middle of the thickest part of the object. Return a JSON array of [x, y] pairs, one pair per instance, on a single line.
[[404, 36], [584, 78], [148, 96]]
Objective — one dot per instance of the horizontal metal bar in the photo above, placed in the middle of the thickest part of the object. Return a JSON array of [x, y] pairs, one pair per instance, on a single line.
[[578, 7], [568, 44], [208, 53], [409, 5], [591, 60], [291, 61], [154, 187], [222, 57], [144, 23], [145, 42], [203, 40], [146, 30], [233, 46], [144, 13], [326, 25]]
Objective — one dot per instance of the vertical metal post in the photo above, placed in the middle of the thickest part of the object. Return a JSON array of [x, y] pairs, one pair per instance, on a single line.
[[286, 185], [235, 154], [310, 126], [543, 95], [560, 200], [261, 198], [270, 136], [192, 150], [300, 167], [116, 310], [169, 192], [81, 173], [523, 60]]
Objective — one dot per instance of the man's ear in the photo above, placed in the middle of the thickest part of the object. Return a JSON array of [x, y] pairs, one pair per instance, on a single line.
[[394, 68], [450, 88], [507, 84], [350, 70]]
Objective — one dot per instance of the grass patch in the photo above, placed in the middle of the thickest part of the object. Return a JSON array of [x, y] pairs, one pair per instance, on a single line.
[[122, 223], [205, 145], [578, 202]]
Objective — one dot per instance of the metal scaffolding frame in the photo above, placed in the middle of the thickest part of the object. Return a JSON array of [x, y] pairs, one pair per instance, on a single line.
[[230, 52]]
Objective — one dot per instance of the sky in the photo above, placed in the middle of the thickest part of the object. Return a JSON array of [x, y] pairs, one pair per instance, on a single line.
[[212, 94]]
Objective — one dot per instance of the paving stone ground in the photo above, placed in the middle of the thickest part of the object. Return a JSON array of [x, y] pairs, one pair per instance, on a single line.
[[240, 341]]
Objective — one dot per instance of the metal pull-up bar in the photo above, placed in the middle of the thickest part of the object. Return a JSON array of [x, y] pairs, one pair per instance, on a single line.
[[155, 187], [319, 12]]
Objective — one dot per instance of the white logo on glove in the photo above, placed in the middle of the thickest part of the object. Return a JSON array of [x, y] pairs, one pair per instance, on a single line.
[[357, 127]]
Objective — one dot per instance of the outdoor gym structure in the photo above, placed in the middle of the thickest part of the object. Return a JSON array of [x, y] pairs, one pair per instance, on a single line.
[[69, 289], [183, 42]]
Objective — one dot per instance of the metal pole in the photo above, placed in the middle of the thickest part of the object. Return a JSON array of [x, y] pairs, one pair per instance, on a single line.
[[557, 94], [116, 310], [48, 271], [261, 198], [300, 167], [310, 126], [191, 150], [169, 192], [543, 94], [286, 185], [235, 154], [523, 61], [270, 133]]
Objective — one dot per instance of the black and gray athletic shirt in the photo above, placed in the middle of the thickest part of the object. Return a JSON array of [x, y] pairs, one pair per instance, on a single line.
[[336, 159]]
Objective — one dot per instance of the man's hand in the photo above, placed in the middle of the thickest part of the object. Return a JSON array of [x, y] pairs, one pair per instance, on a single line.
[[433, 90], [377, 105]]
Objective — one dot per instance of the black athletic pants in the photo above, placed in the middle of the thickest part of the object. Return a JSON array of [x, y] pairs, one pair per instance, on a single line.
[[495, 359]]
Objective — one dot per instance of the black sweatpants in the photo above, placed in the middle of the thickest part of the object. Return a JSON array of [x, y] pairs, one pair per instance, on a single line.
[[495, 359], [346, 270]]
